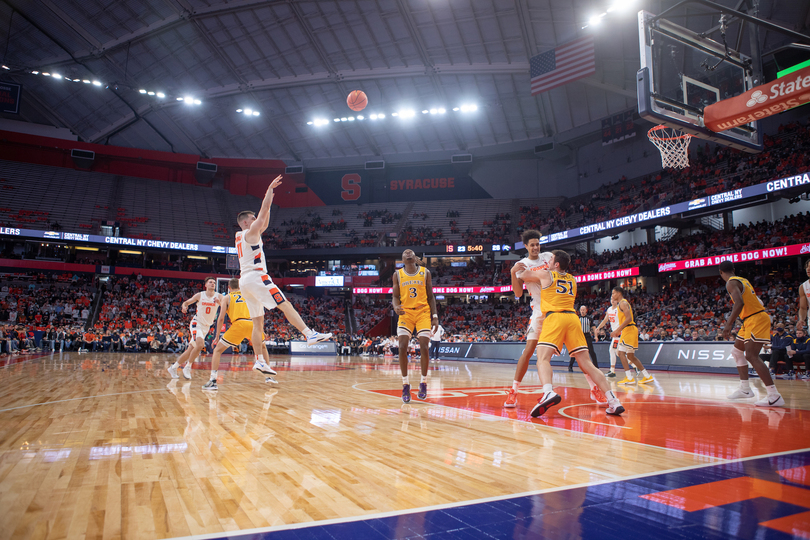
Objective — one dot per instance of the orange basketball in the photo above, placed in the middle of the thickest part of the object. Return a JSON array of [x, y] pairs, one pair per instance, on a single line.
[[357, 100]]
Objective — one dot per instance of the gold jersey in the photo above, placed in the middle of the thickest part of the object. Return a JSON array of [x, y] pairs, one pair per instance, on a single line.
[[413, 289], [560, 295], [237, 307], [621, 314], [751, 302]]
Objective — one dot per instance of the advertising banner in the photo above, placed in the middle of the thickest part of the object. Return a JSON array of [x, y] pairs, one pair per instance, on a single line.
[[9, 97], [324, 348], [746, 256], [709, 356], [395, 184]]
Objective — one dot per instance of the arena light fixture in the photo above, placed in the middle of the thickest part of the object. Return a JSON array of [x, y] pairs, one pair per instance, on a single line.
[[161, 95], [425, 111], [351, 119], [85, 81], [96, 83], [197, 102], [442, 110], [5, 67], [151, 93], [373, 117], [361, 117], [337, 119], [456, 109], [255, 113], [128, 252], [309, 123], [380, 116], [344, 119], [248, 112], [56, 76], [35, 72], [141, 91]]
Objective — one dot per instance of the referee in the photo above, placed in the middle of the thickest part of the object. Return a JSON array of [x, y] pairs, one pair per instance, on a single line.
[[586, 329]]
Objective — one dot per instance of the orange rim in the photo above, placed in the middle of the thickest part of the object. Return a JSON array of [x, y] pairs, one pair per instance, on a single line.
[[653, 135]]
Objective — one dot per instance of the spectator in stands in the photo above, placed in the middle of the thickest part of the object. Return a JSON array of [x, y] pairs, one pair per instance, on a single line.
[[779, 343]]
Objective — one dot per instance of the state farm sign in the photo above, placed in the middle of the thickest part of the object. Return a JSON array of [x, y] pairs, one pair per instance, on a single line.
[[759, 102]]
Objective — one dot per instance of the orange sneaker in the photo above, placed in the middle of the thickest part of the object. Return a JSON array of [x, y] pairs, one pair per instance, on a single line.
[[511, 399], [598, 396]]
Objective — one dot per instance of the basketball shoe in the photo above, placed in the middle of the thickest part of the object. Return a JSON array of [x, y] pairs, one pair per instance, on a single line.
[[546, 402], [316, 337], [263, 368], [271, 380], [187, 371], [627, 381], [616, 409], [739, 393], [599, 397], [511, 399], [406, 393], [422, 392], [611, 374], [646, 380], [771, 401], [210, 385], [173, 372]]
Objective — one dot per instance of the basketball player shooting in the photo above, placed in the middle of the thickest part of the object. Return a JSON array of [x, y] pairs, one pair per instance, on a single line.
[[257, 288]]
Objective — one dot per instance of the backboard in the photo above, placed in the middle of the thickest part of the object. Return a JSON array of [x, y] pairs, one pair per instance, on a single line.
[[682, 72]]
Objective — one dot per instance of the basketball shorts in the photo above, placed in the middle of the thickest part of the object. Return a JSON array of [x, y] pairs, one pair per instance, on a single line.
[[628, 342], [260, 292], [198, 329], [535, 325], [562, 329], [239, 330], [756, 328], [415, 320]]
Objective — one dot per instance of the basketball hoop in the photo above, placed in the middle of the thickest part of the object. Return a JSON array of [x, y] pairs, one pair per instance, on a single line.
[[673, 145]]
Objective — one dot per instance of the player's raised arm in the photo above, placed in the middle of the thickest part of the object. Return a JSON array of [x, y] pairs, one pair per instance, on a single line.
[[434, 315], [263, 217], [517, 283], [193, 300], [395, 299]]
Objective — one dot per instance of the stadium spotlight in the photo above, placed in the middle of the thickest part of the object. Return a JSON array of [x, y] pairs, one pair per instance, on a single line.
[[161, 95], [442, 110], [361, 117], [85, 81], [238, 110], [309, 123], [456, 109], [55, 76], [46, 74], [351, 119], [394, 114], [35, 72], [373, 116], [256, 113], [344, 119], [407, 113], [380, 116], [248, 112], [96, 83], [5, 67], [141, 91], [197, 102], [337, 119], [425, 111], [151, 93], [433, 111], [188, 99]]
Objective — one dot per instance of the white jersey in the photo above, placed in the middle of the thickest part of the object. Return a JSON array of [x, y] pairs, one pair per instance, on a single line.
[[541, 263], [613, 317], [806, 290], [251, 258], [207, 308]]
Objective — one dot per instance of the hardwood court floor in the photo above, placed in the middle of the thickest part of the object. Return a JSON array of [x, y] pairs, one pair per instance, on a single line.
[[108, 446]]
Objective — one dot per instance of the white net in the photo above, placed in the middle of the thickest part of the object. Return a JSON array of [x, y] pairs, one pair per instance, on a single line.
[[673, 145]]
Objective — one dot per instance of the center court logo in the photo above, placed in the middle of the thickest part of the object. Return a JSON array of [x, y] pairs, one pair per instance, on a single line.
[[756, 97]]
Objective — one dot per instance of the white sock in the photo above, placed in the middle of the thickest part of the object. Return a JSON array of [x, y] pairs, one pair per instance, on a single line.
[[176, 365], [629, 375], [772, 391], [610, 395], [515, 385], [187, 364], [745, 385], [590, 381], [308, 331], [213, 374], [613, 365], [423, 379], [406, 380], [644, 372], [548, 388]]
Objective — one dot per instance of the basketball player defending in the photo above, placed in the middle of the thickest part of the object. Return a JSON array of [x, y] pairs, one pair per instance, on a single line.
[[535, 261], [612, 317], [416, 306], [258, 290], [755, 332], [804, 299], [207, 304], [627, 332], [236, 308], [562, 327]]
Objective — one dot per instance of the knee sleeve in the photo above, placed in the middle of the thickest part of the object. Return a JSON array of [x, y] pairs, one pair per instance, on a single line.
[[739, 357]]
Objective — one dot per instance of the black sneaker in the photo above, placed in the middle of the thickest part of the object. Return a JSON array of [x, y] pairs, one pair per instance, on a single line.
[[422, 393], [406, 393], [545, 403], [611, 374], [210, 385]]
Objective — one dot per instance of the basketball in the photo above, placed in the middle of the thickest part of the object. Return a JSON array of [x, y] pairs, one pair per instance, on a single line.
[[357, 100]]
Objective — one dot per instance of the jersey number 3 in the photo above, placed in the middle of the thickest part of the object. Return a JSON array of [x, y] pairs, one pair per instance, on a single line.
[[412, 292], [564, 287]]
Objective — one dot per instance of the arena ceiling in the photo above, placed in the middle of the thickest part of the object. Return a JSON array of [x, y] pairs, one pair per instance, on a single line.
[[293, 61]]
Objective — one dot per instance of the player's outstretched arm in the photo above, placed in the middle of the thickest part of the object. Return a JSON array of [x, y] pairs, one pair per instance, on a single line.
[[263, 217], [193, 300]]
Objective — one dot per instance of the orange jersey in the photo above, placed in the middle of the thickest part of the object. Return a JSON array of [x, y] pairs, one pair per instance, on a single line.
[[560, 294], [413, 289], [751, 302]]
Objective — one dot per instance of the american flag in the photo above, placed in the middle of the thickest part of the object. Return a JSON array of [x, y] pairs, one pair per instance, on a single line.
[[562, 65]]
